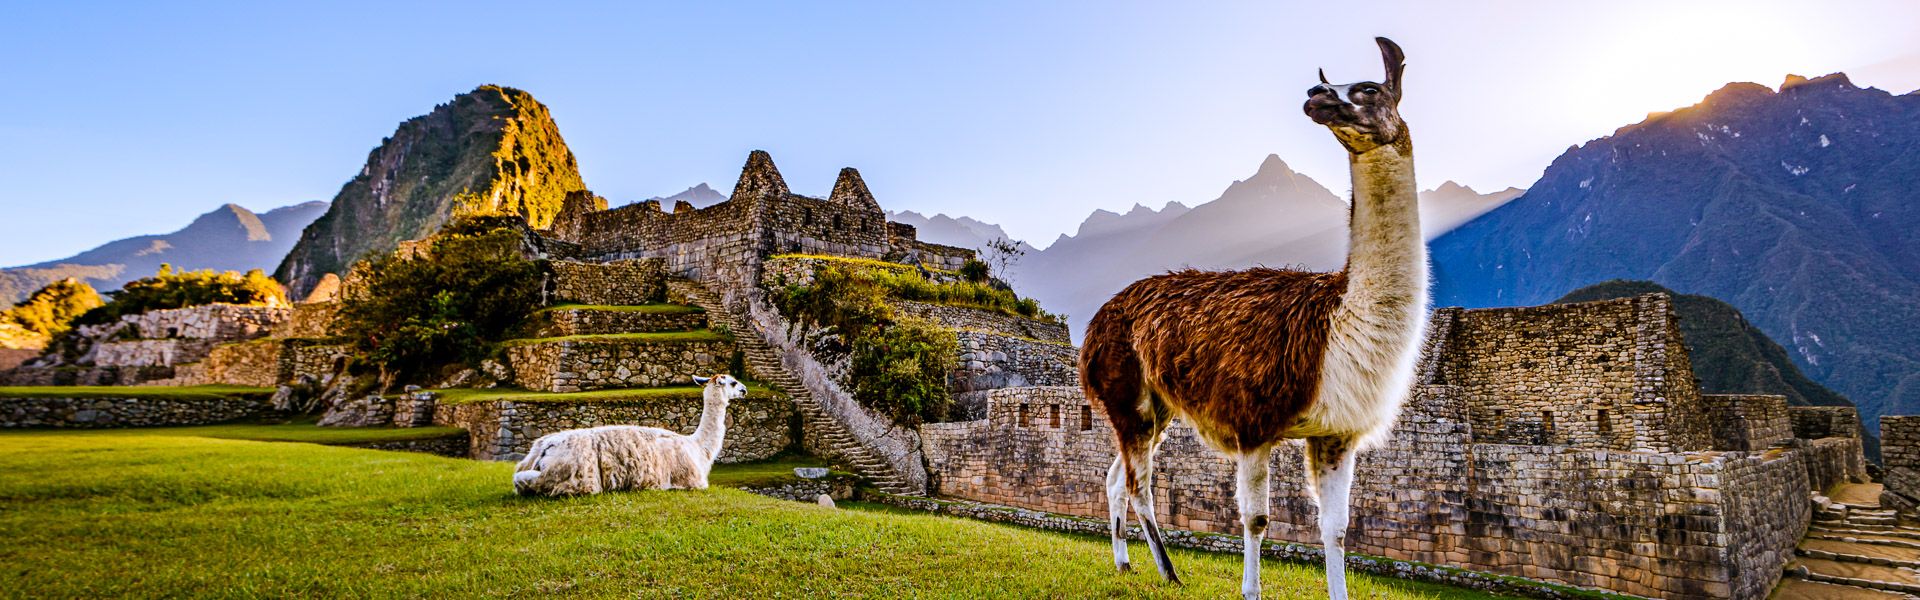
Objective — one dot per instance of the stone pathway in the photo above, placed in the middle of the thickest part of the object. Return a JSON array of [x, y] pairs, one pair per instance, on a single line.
[[1855, 550]]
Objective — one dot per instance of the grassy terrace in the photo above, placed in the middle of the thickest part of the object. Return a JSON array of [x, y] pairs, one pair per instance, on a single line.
[[143, 513], [667, 337], [303, 430], [466, 395], [658, 309], [198, 392]]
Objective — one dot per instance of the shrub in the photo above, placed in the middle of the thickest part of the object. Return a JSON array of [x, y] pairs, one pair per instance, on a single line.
[[975, 271], [409, 314], [901, 369], [170, 288], [51, 310]]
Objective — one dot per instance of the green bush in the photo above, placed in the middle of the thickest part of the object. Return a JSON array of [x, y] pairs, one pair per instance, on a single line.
[[51, 310], [901, 370], [170, 288], [409, 315], [975, 271], [897, 366]]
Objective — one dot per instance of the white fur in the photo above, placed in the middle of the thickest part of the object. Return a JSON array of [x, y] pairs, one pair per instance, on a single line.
[[1375, 342], [627, 457]]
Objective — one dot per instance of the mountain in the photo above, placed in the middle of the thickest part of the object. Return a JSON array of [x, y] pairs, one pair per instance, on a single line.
[[1795, 206], [1277, 217], [229, 238], [963, 232], [700, 196], [494, 150]]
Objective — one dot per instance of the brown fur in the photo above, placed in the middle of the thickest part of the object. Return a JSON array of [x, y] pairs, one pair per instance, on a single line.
[[1237, 352]]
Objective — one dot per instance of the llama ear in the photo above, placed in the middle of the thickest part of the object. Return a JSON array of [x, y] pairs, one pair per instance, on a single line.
[[1396, 62], [1323, 77], [701, 380]]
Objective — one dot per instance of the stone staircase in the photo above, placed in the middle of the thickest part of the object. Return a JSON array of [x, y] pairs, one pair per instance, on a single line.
[[1855, 549], [826, 435]]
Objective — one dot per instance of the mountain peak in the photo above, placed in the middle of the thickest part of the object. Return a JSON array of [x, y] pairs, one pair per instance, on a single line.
[[1830, 79], [1273, 165], [228, 217]]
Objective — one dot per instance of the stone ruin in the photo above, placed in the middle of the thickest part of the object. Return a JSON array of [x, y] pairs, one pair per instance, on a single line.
[[1564, 443], [726, 244]]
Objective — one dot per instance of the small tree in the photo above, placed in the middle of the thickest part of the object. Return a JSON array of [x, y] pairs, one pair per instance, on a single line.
[[411, 314], [1003, 254], [50, 311]]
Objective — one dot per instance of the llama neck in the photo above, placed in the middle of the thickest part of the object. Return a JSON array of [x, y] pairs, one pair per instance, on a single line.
[[1387, 258], [713, 428]]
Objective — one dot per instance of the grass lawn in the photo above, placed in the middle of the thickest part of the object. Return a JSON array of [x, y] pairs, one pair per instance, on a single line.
[[699, 335], [143, 513], [469, 395], [658, 309], [197, 392]]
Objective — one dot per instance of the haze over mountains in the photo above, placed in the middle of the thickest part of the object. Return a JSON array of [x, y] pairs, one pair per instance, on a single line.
[[228, 238], [1277, 217]]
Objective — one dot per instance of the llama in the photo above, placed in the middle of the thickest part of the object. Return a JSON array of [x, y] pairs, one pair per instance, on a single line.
[[1250, 358], [627, 457]]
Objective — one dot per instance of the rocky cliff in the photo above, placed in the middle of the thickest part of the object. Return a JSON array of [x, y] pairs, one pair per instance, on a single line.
[[494, 150]]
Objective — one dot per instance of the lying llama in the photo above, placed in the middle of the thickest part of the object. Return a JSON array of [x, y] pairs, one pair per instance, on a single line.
[[628, 457], [1252, 357]]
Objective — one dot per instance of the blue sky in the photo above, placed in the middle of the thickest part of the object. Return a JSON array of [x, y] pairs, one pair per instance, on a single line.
[[124, 119]]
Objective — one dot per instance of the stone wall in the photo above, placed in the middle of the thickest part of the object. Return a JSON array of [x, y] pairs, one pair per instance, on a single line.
[[973, 319], [224, 322], [758, 426], [252, 363], [556, 322], [1696, 524], [95, 413], [1833, 461], [989, 361], [151, 353], [1900, 462], [593, 363], [1815, 422], [1608, 374], [1747, 422], [310, 320], [619, 282]]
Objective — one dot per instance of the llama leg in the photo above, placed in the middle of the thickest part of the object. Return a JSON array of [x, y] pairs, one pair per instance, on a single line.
[[1252, 493], [1142, 496], [1330, 461], [1117, 512]]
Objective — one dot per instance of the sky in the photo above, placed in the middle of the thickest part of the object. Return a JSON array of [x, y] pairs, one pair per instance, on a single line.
[[128, 119]]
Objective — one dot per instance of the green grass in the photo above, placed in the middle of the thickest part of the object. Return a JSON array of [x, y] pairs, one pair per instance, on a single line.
[[305, 431], [661, 309], [862, 262], [198, 392], [468, 395], [665, 337], [135, 514]]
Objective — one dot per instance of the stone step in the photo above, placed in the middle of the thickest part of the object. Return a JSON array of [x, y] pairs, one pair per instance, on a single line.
[[1899, 532], [1860, 559], [1874, 539], [595, 362], [577, 319]]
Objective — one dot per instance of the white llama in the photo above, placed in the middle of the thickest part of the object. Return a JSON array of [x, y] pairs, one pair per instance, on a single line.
[[628, 457]]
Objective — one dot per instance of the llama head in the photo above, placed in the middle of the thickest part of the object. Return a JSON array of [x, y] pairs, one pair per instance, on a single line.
[[1364, 115], [722, 388]]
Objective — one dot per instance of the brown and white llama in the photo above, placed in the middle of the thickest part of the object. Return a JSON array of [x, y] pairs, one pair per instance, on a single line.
[[628, 457], [1250, 358]]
